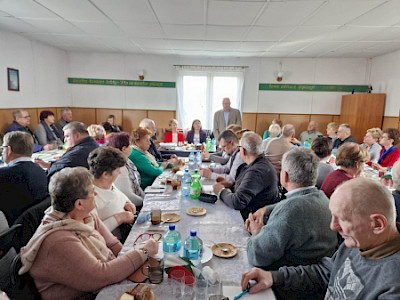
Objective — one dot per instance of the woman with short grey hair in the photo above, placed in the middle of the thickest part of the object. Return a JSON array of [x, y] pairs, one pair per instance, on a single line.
[[72, 254]]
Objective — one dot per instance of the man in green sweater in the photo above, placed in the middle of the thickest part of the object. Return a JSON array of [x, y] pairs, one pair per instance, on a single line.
[[366, 265], [297, 231]]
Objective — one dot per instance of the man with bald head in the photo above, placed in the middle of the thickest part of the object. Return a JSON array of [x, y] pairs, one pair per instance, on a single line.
[[311, 133], [225, 117], [366, 265]]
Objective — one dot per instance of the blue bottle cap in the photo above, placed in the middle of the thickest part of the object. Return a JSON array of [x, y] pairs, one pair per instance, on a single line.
[[171, 227], [193, 233], [186, 171]]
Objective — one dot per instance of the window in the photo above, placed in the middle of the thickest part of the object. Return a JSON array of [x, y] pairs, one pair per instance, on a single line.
[[200, 94]]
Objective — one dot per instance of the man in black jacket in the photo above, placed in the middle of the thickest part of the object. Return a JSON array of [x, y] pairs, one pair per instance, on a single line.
[[22, 183], [344, 136], [79, 144], [256, 181]]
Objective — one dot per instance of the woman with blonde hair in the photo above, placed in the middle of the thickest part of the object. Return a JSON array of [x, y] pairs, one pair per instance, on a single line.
[[98, 133], [350, 159], [146, 163], [274, 131], [371, 143], [331, 130], [274, 121], [174, 136]]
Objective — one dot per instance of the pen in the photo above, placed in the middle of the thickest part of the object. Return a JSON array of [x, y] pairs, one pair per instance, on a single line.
[[242, 293]]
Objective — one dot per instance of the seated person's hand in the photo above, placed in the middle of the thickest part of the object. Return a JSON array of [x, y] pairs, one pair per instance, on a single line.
[[263, 278], [378, 167], [294, 141], [129, 206], [152, 246], [42, 163], [173, 156], [260, 213], [206, 172], [125, 217], [224, 182], [217, 187], [205, 155], [174, 161], [48, 147], [254, 225]]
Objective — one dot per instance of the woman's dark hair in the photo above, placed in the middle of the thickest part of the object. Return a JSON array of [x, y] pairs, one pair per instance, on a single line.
[[45, 113], [107, 127], [322, 146], [195, 120], [119, 140], [69, 185], [393, 134], [105, 159]]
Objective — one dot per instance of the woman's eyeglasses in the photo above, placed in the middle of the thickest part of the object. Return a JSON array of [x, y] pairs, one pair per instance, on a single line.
[[146, 236]]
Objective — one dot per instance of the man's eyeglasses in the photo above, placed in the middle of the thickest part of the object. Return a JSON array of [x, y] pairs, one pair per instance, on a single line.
[[146, 236], [26, 117]]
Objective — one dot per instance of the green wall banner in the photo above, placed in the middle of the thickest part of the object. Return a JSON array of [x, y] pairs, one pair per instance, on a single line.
[[121, 82], [313, 87]]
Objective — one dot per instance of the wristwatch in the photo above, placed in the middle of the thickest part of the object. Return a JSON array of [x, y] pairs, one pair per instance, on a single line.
[[145, 251]]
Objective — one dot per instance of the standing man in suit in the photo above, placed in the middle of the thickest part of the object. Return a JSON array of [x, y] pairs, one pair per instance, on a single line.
[[22, 183], [226, 116]]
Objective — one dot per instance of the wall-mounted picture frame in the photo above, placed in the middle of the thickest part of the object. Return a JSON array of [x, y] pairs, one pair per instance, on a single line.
[[13, 79]]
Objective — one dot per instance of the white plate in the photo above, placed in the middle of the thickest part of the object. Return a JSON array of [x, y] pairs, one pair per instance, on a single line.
[[207, 254]]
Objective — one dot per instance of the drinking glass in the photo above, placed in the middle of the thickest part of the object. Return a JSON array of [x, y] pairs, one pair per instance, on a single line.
[[201, 288], [214, 290], [177, 282]]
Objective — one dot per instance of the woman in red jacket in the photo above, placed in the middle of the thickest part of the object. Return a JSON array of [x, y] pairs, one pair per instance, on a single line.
[[174, 136], [389, 153]]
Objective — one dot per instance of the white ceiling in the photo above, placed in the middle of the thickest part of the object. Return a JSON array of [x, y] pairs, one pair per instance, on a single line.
[[275, 28]]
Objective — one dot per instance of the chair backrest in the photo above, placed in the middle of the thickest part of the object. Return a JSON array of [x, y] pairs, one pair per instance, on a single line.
[[22, 286], [30, 221], [7, 237]]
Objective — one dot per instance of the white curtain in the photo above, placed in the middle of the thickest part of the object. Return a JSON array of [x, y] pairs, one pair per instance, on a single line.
[[205, 88]]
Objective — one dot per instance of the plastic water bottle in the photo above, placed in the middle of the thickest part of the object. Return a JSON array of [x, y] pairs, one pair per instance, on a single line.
[[171, 242], [186, 183], [306, 144], [191, 161], [213, 145], [332, 159], [195, 187], [193, 248], [198, 159], [208, 144]]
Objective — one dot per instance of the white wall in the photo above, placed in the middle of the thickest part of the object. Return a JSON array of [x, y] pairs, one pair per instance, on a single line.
[[261, 70], [385, 78], [42, 73]]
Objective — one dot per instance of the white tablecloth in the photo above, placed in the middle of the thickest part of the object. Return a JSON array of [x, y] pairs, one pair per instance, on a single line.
[[219, 224]]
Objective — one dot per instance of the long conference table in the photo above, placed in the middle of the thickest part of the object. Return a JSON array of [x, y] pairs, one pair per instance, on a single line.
[[219, 224]]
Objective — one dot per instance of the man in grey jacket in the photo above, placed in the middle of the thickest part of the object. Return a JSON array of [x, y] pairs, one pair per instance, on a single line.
[[366, 265], [228, 142], [297, 231]]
